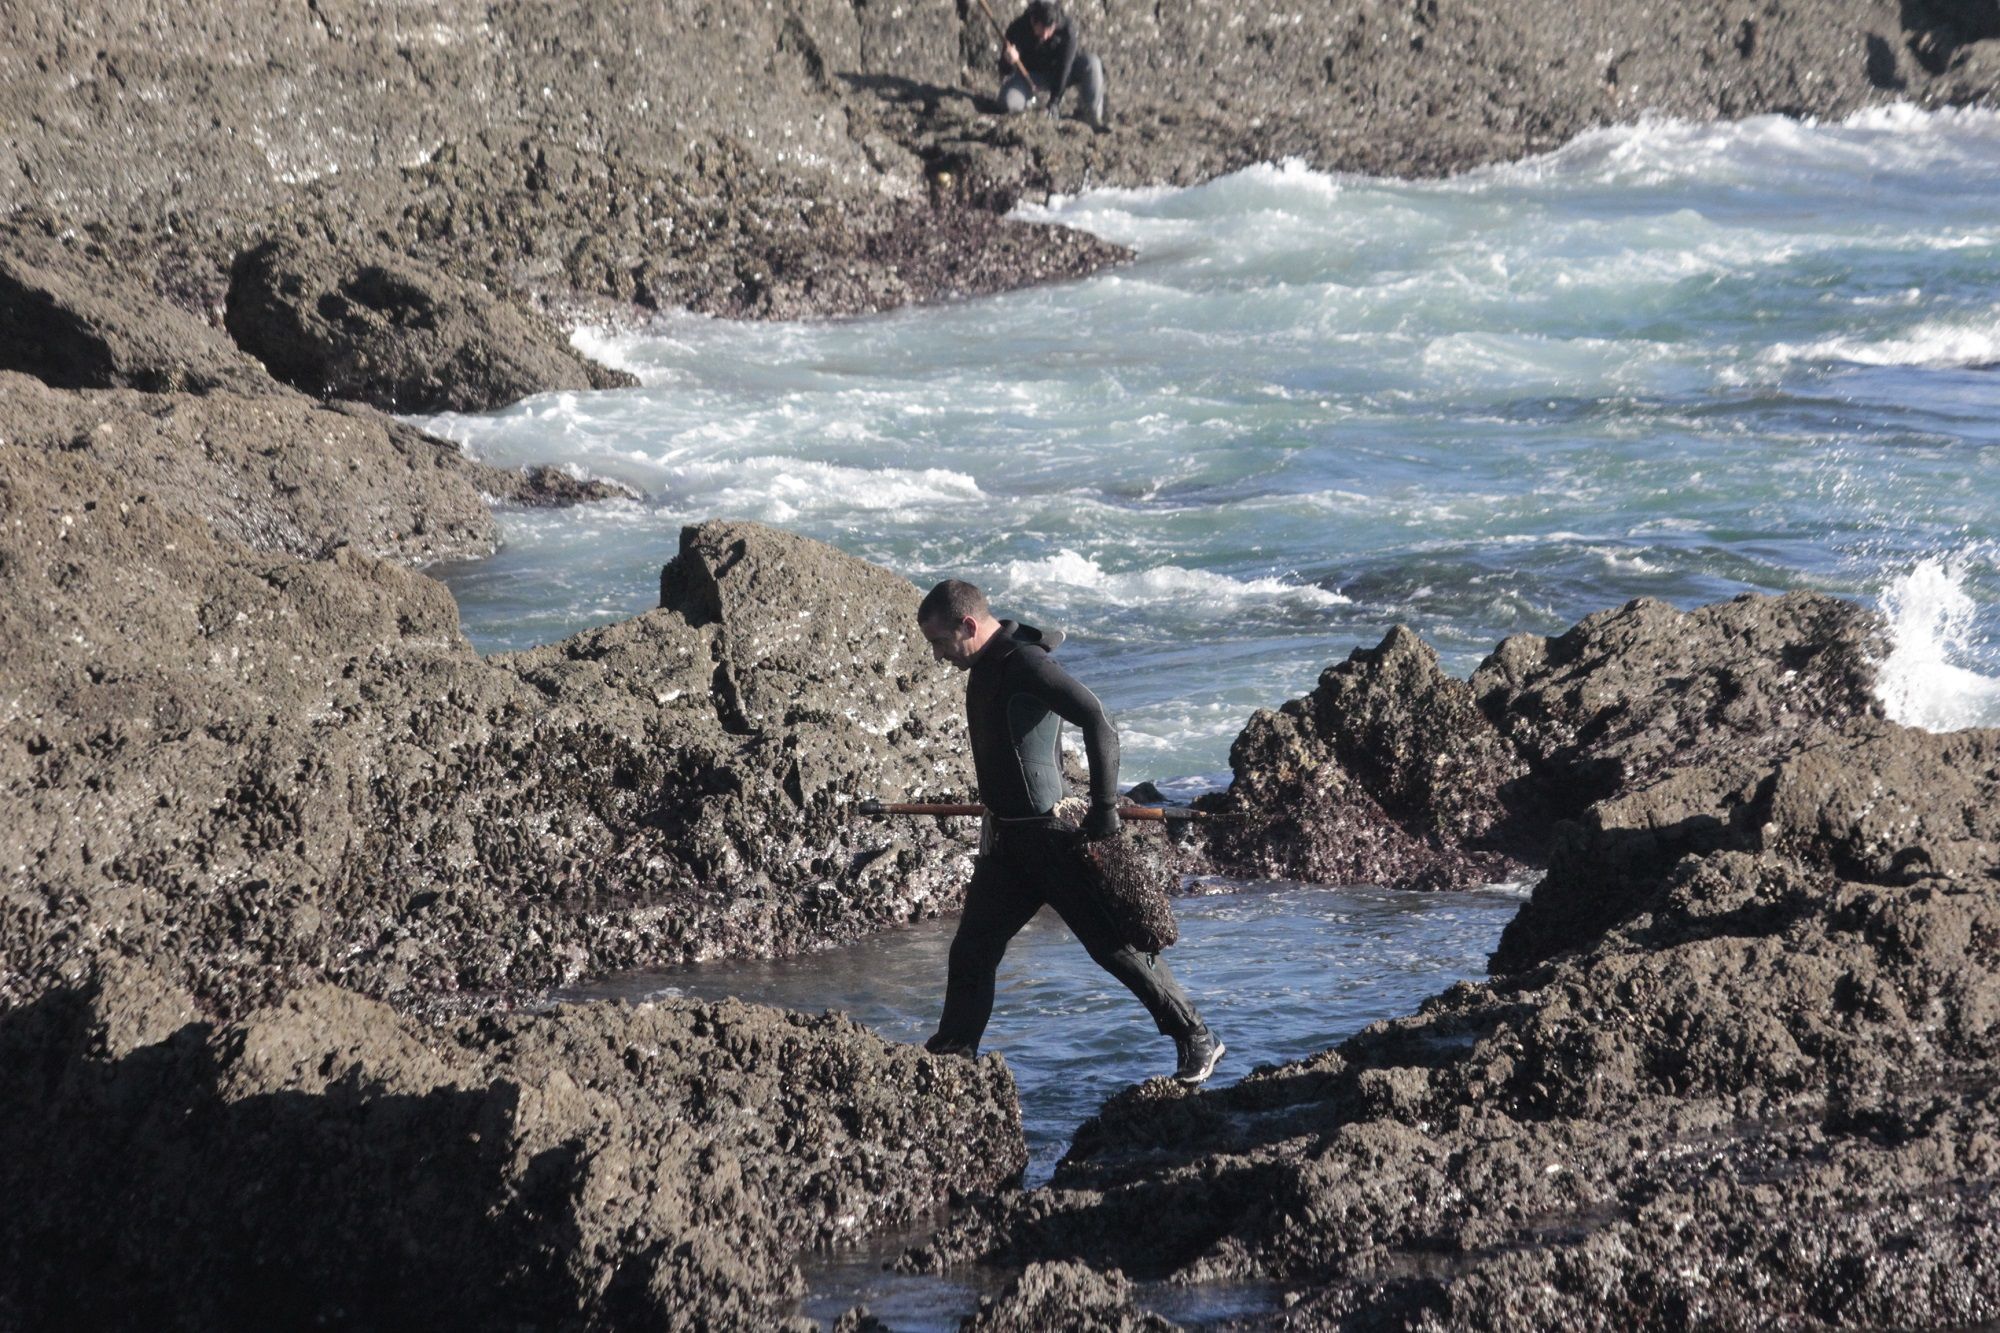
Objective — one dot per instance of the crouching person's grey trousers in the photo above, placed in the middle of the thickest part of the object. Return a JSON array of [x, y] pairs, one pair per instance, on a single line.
[[1087, 77]]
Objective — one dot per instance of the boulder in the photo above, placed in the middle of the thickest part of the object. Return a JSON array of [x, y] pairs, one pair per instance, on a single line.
[[1648, 688], [1387, 773], [325, 1161], [1064, 1298], [1637, 736], [72, 317], [255, 768], [363, 323], [1651, 734]]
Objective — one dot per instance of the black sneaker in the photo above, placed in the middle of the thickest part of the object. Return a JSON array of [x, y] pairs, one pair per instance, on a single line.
[[1199, 1051]]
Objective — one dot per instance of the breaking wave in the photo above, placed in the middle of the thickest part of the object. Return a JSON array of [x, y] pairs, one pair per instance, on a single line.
[[1933, 631], [1934, 344], [1057, 580]]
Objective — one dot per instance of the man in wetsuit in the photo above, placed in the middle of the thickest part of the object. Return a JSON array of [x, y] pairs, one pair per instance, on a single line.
[[1016, 700], [1043, 40]]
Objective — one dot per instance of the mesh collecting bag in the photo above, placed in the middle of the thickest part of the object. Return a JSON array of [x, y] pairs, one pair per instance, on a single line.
[[1135, 884]]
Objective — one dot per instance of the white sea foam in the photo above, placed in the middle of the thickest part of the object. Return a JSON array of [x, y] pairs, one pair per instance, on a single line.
[[1660, 151], [780, 490], [608, 347], [1525, 362], [1154, 734], [1058, 580], [1484, 405], [1938, 344], [1931, 627], [1184, 790]]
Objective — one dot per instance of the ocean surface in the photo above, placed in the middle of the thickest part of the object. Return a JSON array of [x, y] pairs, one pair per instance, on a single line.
[[1671, 361], [1676, 361]]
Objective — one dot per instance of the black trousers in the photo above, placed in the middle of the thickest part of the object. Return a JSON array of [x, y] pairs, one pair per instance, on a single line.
[[1032, 865]]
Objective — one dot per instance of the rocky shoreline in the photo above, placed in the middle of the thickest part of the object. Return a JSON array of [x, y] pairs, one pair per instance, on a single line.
[[1736, 1066], [282, 848]]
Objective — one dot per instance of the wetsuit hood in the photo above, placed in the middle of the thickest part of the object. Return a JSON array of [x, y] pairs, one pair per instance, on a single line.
[[1013, 636]]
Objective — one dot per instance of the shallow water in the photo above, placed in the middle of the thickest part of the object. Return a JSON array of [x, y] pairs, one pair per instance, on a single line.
[[1279, 972], [1674, 361]]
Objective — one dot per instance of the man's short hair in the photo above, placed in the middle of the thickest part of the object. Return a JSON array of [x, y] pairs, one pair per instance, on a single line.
[[1043, 13], [950, 602]]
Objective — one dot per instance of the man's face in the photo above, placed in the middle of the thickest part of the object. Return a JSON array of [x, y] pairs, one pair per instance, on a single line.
[[1044, 31], [951, 641]]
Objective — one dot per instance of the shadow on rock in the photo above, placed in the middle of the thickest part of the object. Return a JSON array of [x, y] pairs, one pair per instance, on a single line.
[[325, 1163]]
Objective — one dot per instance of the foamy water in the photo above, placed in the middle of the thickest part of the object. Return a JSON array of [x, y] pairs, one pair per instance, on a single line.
[[1677, 361], [1933, 624]]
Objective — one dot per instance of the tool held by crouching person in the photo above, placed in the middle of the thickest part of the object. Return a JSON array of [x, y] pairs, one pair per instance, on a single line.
[[875, 809]]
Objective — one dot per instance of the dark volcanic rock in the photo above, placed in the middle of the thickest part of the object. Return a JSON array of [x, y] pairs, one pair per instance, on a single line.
[[254, 769], [1635, 692], [1640, 735], [324, 1161], [1657, 730], [384, 329], [546, 487], [920, 252], [73, 320], [1415, 738], [1879, 805], [1891, 806], [1064, 1298], [1771, 1093], [1387, 773]]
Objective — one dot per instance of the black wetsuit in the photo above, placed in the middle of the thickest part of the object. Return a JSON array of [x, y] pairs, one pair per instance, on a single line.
[[1016, 698], [1050, 62]]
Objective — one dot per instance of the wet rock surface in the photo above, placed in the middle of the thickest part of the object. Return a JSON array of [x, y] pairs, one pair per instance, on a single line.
[[376, 327], [327, 1162], [1386, 773], [1064, 1298]]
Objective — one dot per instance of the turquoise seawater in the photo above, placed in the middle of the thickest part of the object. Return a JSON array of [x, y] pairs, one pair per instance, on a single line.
[[1678, 361]]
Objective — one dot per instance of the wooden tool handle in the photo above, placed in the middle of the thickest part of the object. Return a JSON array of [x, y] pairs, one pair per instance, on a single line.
[[934, 808]]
